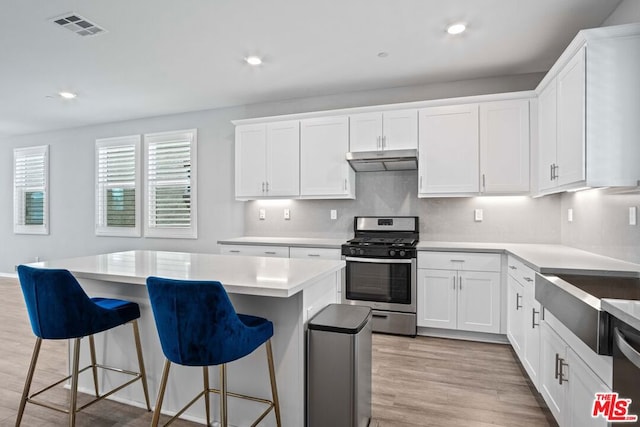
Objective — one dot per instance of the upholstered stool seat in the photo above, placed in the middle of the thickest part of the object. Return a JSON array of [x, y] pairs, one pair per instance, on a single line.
[[59, 308], [198, 326]]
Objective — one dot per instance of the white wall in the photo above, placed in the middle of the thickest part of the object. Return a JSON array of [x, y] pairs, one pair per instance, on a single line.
[[627, 12]]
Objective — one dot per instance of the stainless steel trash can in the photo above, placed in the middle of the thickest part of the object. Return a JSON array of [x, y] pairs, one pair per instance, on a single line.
[[339, 367]]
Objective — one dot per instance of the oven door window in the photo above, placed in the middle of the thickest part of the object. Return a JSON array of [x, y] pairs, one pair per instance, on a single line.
[[379, 282]]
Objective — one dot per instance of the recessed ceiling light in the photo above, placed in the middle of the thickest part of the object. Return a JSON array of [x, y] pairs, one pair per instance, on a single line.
[[253, 60], [67, 95], [456, 28]]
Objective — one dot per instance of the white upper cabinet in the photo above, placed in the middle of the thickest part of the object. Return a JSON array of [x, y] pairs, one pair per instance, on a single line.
[[389, 130], [588, 113], [504, 147], [448, 162], [324, 171], [267, 160]]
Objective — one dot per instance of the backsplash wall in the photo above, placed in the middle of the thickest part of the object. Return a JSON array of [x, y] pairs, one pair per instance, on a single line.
[[506, 219], [601, 223]]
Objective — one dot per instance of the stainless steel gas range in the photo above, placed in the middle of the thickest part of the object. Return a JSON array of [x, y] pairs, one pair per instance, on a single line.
[[381, 271]]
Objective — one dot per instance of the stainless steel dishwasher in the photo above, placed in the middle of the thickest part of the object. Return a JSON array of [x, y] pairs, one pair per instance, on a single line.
[[339, 367]]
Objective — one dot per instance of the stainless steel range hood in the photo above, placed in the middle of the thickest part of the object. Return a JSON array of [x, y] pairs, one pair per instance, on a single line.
[[385, 160]]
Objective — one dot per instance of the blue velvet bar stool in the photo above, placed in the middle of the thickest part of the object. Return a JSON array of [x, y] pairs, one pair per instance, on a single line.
[[59, 309], [198, 326]]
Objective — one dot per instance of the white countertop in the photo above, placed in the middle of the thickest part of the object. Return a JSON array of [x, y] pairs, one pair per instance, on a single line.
[[274, 277], [302, 242], [626, 310], [546, 258]]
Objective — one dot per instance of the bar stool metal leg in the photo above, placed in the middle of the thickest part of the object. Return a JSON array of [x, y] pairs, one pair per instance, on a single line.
[[223, 395], [74, 382], [94, 368], [274, 388], [143, 372], [163, 386], [207, 408], [27, 383]]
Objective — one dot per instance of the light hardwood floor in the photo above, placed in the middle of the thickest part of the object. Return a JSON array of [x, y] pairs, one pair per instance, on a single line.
[[416, 382]]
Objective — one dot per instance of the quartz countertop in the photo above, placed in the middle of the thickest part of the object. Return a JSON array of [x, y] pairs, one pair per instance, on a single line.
[[546, 258], [274, 277], [301, 242], [626, 310]]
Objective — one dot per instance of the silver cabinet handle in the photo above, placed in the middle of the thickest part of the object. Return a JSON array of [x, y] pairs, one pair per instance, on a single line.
[[557, 369], [551, 172], [269, 252], [313, 254], [267, 186], [625, 348], [513, 267], [345, 184], [460, 282], [518, 305], [561, 377], [484, 183], [457, 260], [454, 282], [263, 186], [234, 251], [528, 279], [533, 318], [555, 171]]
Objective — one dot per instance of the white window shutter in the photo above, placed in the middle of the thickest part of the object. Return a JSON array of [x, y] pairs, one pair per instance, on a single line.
[[118, 186], [31, 190], [170, 184]]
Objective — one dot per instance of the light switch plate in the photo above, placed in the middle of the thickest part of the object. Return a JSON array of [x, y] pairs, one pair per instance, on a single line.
[[287, 213], [633, 215], [334, 214], [262, 213], [570, 215], [478, 215]]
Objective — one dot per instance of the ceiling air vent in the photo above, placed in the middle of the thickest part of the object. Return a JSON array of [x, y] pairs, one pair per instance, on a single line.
[[78, 24]]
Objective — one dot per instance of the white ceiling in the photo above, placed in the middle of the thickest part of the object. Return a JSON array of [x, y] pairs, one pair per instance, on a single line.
[[167, 56]]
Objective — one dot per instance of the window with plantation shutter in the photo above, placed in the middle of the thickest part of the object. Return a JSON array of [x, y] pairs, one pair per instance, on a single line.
[[31, 190], [170, 184], [118, 180]]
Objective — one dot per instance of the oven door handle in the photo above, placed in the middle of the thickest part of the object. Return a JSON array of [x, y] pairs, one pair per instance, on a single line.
[[379, 260], [626, 349]]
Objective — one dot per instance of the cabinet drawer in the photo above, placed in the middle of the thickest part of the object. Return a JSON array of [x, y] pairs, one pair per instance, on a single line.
[[519, 271], [463, 261], [268, 251], [314, 253]]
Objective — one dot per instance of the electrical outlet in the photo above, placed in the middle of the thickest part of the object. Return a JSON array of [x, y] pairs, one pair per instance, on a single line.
[[478, 215], [633, 215], [570, 215], [262, 213], [334, 214], [287, 213]]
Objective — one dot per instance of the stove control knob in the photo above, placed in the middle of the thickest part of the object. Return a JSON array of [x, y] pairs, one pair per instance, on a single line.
[[402, 253], [352, 251], [361, 252], [392, 253]]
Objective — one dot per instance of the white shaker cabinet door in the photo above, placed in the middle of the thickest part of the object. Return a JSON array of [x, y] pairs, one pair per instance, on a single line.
[[515, 315], [583, 385], [365, 132], [251, 148], [552, 349], [504, 147], [448, 151], [400, 130], [547, 136], [283, 159], [479, 301], [324, 171], [571, 121], [436, 303]]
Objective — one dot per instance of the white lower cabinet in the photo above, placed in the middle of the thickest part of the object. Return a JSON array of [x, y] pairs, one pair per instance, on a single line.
[[567, 384], [255, 250], [523, 316], [459, 299]]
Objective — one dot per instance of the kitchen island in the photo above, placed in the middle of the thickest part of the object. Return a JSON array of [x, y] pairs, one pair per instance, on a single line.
[[286, 291]]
